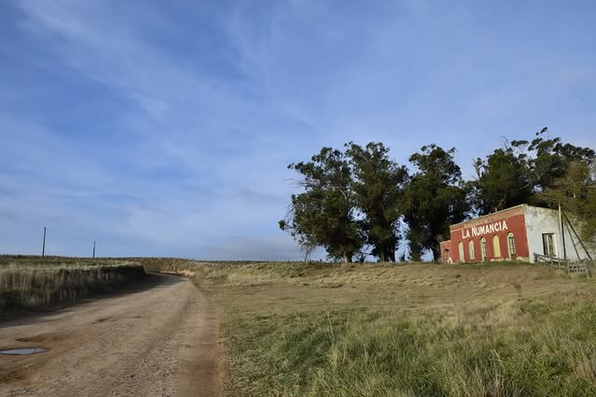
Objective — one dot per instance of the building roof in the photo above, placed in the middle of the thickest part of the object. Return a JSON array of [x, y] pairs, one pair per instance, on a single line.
[[524, 206]]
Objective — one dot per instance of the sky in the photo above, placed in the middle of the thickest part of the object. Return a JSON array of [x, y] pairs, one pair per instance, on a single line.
[[165, 128]]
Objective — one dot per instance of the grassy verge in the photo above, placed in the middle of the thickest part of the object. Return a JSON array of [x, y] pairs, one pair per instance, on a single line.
[[392, 353], [26, 283], [415, 330]]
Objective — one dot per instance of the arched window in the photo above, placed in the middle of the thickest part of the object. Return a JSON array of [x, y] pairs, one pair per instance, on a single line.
[[483, 248], [511, 245], [472, 250], [496, 247], [462, 258]]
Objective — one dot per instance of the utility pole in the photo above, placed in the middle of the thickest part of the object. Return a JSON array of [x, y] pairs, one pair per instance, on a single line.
[[93, 249], [43, 248]]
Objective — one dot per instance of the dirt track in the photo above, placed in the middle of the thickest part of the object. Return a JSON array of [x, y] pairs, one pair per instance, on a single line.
[[160, 341]]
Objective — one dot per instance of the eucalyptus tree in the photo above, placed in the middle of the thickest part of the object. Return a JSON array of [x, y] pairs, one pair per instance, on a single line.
[[434, 198], [575, 192], [504, 179], [378, 188], [324, 214], [518, 172], [552, 158]]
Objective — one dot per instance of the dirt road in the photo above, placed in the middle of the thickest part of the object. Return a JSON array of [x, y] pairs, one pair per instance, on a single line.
[[159, 341]]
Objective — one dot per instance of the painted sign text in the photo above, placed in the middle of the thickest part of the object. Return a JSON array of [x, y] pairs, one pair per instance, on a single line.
[[475, 231]]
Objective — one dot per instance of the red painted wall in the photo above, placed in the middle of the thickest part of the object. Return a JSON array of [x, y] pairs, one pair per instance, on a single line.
[[445, 251], [464, 232]]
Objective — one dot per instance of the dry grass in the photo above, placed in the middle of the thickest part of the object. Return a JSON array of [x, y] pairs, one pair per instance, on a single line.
[[32, 283], [464, 330]]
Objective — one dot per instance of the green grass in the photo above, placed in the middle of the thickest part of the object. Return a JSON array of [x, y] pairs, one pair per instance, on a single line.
[[391, 353], [30, 283]]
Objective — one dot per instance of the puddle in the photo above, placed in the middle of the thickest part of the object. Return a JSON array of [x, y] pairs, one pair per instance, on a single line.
[[22, 352]]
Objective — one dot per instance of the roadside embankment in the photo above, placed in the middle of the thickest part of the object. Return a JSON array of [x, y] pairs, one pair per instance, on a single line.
[[30, 286]]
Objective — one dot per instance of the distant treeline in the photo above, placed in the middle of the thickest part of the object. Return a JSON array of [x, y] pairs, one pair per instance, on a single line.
[[353, 201]]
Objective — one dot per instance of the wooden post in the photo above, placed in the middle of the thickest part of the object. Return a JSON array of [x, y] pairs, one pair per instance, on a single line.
[[578, 238], [43, 247], [588, 270], [562, 226]]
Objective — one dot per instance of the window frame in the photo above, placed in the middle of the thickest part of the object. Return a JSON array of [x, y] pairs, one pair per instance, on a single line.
[[548, 244], [462, 252], [497, 247], [511, 247], [483, 249]]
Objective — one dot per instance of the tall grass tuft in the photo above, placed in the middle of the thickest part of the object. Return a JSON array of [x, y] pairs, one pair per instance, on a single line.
[[33, 287]]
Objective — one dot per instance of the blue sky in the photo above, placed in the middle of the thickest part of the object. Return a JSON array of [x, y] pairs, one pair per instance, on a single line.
[[165, 128]]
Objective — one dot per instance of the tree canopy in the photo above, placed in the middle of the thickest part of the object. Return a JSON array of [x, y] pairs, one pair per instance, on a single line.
[[434, 199], [503, 180], [377, 186], [357, 200], [324, 214]]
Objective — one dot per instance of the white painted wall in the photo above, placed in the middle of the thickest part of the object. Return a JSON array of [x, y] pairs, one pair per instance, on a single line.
[[544, 220], [539, 221]]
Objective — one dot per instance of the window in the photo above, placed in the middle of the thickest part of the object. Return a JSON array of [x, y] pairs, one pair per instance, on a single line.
[[548, 244], [483, 248], [461, 252], [471, 249], [511, 245], [496, 247]]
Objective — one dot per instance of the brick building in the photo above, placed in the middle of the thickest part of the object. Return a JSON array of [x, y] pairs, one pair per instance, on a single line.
[[516, 233]]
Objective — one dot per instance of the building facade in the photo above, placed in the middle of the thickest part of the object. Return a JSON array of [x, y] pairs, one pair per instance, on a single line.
[[516, 233]]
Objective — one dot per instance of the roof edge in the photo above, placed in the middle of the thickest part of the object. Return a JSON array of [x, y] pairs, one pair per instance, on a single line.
[[494, 213]]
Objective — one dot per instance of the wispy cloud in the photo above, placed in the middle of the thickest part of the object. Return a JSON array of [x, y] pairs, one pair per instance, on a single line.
[[167, 129]]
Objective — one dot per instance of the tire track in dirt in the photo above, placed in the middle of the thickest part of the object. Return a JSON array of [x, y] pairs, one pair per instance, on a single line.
[[162, 341]]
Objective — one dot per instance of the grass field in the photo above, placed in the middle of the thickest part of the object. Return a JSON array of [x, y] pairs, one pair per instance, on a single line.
[[409, 330], [297, 329], [34, 283]]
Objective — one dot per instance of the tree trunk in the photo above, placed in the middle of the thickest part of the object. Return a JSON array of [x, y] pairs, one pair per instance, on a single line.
[[415, 253], [436, 251], [347, 258]]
